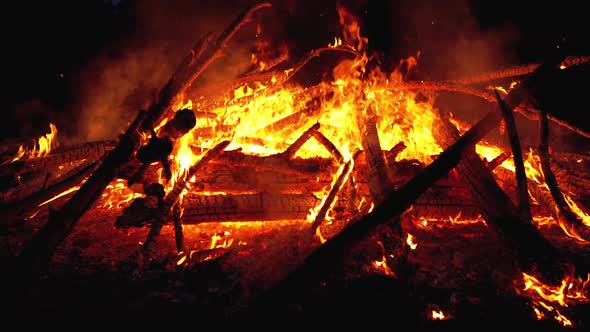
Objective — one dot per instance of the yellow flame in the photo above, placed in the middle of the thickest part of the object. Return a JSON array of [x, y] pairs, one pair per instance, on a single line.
[[219, 241], [45, 143], [438, 315], [410, 240], [550, 300], [318, 233], [41, 146], [117, 194], [381, 265], [63, 193]]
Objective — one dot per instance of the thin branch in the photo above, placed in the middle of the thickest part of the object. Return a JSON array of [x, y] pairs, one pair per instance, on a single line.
[[327, 203], [523, 192], [572, 223]]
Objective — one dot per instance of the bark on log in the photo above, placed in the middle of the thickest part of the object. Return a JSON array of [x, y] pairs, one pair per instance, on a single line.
[[378, 177], [65, 155]]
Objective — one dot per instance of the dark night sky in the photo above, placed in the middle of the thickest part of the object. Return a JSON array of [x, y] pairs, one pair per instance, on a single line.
[[53, 42]]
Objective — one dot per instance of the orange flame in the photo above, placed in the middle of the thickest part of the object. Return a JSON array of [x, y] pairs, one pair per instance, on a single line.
[[41, 146], [438, 315], [410, 240], [551, 301]]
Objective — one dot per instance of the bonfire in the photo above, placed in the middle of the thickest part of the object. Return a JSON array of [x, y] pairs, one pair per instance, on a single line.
[[295, 187]]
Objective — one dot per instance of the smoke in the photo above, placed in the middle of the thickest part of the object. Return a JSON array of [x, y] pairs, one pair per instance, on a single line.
[[127, 75], [452, 39]]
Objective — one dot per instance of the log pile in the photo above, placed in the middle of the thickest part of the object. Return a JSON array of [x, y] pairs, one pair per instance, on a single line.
[[362, 190]]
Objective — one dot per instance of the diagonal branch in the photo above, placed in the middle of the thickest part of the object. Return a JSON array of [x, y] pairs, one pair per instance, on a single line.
[[569, 220], [523, 192]]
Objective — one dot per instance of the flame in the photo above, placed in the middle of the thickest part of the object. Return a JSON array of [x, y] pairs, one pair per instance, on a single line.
[[381, 265], [182, 258], [41, 146], [216, 241], [63, 193], [318, 233], [410, 241], [313, 212], [45, 143], [551, 301], [337, 42], [117, 194], [438, 315]]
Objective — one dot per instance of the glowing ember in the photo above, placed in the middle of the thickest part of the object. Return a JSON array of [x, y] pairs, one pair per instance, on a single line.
[[550, 301]]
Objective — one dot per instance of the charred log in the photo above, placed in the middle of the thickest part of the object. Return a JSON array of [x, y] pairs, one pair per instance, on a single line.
[[523, 192]]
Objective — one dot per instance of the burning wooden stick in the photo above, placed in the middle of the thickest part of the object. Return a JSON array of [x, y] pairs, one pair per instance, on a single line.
[[293, 148], [517, 71], [528, 113], [378, 178], [70, 180], [494, 163], [174, 195], [573, 224], [496, 207], [523, 192], [323, 140], [178, 234], [329, 199]]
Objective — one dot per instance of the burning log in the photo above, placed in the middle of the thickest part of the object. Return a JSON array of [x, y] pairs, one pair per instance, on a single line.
[[36, 253], [174, 194], [293, 148], [523, 192], [183, 121], [517, 71], [324, 141], [247, 207], [322, 259], [531, 114], [329, 200], [573, 224], [63, 156], [494, 163], [496, 207], [312, 108], [178, 234], [70, 180]]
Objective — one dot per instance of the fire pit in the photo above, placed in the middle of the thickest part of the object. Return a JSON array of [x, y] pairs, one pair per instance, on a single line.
[[265, 197]]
